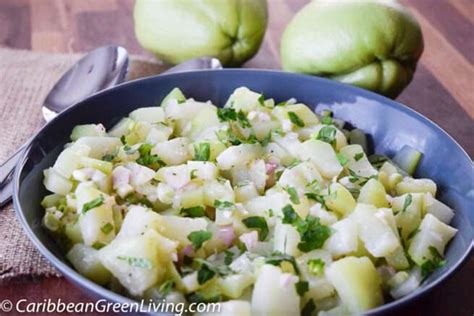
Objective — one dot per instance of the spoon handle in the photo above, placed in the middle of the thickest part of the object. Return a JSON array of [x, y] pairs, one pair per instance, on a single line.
[[6, 174]]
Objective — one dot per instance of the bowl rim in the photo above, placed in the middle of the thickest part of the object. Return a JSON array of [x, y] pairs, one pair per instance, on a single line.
[[102, 292]]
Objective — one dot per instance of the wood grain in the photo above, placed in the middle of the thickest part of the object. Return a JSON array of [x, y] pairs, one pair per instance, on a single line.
[[442, 89]]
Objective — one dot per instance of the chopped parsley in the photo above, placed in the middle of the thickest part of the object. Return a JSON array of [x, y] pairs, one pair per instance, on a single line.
[[223, 204], [199, 237], [228, 138], [327, 134], [242, 119], [295, 199], [407, 202], [358, 156], [354, 177], [108, 157], [107, 228], [226, 114], [295, 119], [261, 100], [377, 160], [202, 151], [195, 211], [313, 234], [205, 273], [316, 266], [259, 223], [229, 257], [123, 140], [93, 204], [429, 266], [137, 262], [207, 270], [277, 258], [302, 287], [289, 215], [98, 245], [229, 114], [194, 174], [283, 103], [147, 159]]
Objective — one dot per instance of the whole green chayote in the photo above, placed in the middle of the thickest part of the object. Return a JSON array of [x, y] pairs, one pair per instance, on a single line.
[[178, 30], [373, 44]]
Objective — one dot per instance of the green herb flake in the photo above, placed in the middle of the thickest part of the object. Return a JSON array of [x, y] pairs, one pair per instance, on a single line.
[[228, 138], [147, 159], [226, 114], [252, 139], [377, 160], [205, 274], [243, 120], [295, 199], [257, 222], [107, 228], [229, 257], [313, 234], [342, 159], [261, 100], [309, 308], [295, 119], [277, 258], [137, 262], [108, 157], [327, 134], [301, 287], [194, 174], [208, 270], [289, 214], [202, 151], [358, 156], [195, 211], [166, 287], [407, 202], [199, 237], [354, 177], [98, 245], [266, 140], [283, 103], [223, 204], [316, 266], [123, 140], [429, 266], [93, 204]]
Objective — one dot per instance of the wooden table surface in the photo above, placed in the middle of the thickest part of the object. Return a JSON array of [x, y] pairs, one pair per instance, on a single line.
[[442, 89]]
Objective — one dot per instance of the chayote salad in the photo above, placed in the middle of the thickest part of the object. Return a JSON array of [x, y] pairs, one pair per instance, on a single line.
[[266, 207]]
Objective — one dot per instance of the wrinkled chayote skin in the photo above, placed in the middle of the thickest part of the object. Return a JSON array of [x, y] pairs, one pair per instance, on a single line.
[[178, 30], [371, 44]]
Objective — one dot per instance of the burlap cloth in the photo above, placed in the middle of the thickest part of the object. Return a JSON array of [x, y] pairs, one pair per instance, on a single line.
[[25, 80]]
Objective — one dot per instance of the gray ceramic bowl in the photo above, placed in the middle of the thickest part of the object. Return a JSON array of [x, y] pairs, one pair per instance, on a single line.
[[390, 124]]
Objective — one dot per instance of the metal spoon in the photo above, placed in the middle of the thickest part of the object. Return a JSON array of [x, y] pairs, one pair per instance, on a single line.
[[100, 69]]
